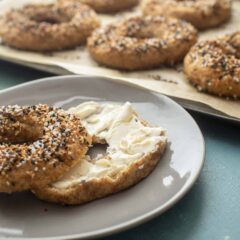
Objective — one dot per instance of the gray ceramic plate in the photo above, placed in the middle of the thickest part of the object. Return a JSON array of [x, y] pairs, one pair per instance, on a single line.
[[22, 216]]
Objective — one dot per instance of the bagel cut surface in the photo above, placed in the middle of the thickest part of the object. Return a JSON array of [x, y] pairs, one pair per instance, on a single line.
[[138, 43], [202, 14], [134, 149], [38, 144], [48, 27]]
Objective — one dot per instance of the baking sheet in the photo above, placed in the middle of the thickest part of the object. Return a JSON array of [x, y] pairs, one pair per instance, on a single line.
[[169, 81]]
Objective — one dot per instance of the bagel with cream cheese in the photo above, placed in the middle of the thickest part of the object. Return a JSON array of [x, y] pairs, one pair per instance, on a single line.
[[134, 149]]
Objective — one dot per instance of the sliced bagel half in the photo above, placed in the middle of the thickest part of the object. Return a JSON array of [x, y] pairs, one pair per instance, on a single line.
[[134, 149]]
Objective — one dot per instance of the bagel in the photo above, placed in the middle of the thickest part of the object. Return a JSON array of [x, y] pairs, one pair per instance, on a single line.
[[48, 27], [134, 149], [38, 144], [106, 6], [202, 14], [138, 43], [214, 66]]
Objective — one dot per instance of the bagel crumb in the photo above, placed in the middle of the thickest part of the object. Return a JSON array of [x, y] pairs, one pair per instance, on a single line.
[[141, 167]]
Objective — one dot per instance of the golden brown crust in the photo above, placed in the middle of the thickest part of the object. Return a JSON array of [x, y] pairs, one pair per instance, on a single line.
[[201, 13], [93, 189], [142, 43], [107, 6], [99, 188], [58, 143], [214, 66], [48, 27]]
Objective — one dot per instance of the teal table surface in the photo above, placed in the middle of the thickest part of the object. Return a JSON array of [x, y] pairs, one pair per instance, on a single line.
[[211, 210]]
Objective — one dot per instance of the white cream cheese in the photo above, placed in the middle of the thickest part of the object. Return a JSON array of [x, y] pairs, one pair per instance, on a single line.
[[127, 137]]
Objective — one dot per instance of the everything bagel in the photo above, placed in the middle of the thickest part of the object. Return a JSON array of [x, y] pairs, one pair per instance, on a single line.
[[48, 27], [201, 13], [106, 6], [142, 42], [37, 145], [214, 66]]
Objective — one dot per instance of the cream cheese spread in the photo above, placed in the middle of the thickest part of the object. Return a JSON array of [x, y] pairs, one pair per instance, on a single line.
[[128, 138]]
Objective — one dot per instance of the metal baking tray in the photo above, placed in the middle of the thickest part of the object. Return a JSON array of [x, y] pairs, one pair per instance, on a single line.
[[189, 105]]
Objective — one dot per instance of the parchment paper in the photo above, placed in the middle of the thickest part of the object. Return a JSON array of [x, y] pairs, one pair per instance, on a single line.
[[164, 80]]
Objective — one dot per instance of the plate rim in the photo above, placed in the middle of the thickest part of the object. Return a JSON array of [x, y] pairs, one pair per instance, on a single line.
[[144, 217]]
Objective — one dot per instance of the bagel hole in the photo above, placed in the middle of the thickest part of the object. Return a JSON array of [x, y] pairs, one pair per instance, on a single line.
[[97, 150], [50, 19], [146, 33], [142, 34], [46, 20], [25, 135]]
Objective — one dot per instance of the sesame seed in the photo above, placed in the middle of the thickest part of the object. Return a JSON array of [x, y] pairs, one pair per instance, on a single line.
[[58, 130]]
